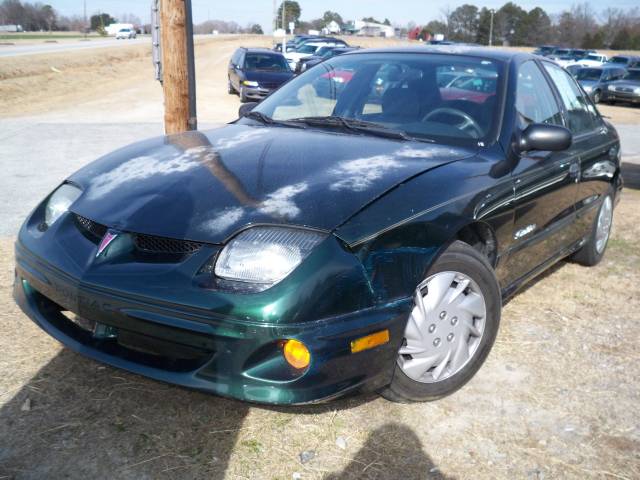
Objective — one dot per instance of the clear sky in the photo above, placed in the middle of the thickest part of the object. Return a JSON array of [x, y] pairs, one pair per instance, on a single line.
[[260, 11]]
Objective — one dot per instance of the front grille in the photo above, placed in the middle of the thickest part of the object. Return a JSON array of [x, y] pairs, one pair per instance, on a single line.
[[144, 243], [153, 244], [269, 85], [95, 229]]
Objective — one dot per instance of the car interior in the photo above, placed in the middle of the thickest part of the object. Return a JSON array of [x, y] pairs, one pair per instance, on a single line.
[[411, 97]]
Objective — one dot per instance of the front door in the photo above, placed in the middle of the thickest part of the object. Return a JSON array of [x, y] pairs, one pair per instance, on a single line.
[[545, 183]]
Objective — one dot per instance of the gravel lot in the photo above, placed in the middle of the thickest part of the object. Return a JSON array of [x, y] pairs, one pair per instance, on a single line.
[[557, 398]]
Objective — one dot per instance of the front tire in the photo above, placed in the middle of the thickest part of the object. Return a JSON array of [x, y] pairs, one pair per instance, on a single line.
[[597, 96], [451, 329], [592, 252], [230, 89]]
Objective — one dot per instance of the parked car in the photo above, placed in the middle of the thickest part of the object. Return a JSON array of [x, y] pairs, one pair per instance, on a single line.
[[572, 56], [125, 34], [544, 50], [324, 53], [574, 68], [256, 72], [627, 89], [625, 61], [326, 40], [594, 80], [592, 60], [322, 246], [304, 51]]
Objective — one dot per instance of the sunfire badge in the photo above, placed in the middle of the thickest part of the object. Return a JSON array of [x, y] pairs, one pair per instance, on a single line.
[[109, 237]]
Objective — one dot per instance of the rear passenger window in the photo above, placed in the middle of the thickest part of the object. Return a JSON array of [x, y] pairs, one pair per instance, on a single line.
[[535, 102], [581, 114]]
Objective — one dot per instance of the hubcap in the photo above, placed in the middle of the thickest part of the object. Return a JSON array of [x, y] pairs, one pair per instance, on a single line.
[[444, 329], [604, 224]]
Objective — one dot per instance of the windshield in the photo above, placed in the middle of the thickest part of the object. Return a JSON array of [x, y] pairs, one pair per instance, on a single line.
[[593, 57], [307, 49], [561, 52], [618, 60], [589, 74], [265, 61], [632, 75], [412, 93]]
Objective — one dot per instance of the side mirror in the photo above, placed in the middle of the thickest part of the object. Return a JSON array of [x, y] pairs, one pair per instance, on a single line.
[[246, 108], [540, 136]]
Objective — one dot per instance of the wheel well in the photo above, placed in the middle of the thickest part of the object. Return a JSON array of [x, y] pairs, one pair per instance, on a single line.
[[481, 237]]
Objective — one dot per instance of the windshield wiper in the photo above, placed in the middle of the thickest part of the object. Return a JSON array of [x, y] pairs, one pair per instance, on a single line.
[[359, 126], [267, 120]]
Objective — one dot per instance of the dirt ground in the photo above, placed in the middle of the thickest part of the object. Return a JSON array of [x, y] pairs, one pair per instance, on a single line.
[[557, 398]]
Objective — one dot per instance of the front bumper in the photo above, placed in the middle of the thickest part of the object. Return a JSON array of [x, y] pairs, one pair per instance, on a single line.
[[257, 93], [618, 96], [192, 347]]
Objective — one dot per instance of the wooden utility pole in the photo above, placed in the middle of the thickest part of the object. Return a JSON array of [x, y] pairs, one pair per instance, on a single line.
[[178, 72]]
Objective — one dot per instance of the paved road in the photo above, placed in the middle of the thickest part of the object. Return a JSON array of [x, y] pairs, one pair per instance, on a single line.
[[64, 46]]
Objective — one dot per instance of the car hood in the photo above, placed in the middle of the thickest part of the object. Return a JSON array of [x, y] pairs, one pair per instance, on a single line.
[[626, 83], [267, 76], [206, 186], [588, 83]]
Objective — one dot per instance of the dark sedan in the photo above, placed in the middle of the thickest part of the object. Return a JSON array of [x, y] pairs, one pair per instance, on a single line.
[[324, 53], [330, 240], [595, 80], [627, 89], [255, 72]]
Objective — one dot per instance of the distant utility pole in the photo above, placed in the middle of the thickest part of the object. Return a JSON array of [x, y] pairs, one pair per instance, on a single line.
[[491, 27], [275, 17], [178, 67], [85, 19], [284, 25]]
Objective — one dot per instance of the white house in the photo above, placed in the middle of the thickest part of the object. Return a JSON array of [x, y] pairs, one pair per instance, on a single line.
[[371, 29]]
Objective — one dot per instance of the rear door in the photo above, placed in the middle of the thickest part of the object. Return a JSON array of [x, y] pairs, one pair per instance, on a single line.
[[544, 182]]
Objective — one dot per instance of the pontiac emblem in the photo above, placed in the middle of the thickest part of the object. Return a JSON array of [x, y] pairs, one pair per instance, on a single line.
[[109, 237]]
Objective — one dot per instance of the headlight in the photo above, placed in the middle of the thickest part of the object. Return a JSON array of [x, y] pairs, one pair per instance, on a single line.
[[636, 90], [265, 255], [587, 88], [59, 202], [611, 88], [249, 83]]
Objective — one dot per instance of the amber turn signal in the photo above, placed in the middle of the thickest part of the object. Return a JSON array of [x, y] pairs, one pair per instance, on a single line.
[[296, 354], [370, 341]]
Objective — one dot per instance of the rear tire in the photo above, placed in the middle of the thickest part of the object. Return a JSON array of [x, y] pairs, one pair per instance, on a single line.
[[457, 324], [592, 252]]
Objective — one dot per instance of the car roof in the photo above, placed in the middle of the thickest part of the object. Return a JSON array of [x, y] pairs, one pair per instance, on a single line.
[[259, 50], [465, 50]]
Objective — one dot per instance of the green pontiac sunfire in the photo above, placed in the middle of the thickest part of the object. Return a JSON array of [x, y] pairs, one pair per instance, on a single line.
[[356, 231]]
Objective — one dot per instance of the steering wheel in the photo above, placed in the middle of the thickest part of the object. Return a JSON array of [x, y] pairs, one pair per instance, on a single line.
[[467, 120]]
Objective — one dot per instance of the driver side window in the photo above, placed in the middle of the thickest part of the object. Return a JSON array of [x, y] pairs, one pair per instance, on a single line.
[[535, 102]]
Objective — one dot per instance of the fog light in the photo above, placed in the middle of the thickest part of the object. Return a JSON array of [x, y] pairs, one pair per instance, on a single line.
[[370, 341], [296, 354]]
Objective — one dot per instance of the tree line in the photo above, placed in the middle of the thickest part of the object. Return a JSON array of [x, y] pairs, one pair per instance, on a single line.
[[36, 16], [579, 27]]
